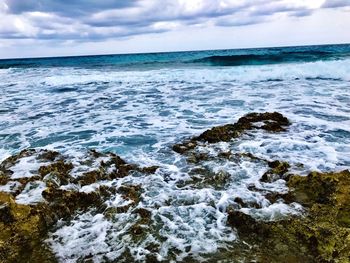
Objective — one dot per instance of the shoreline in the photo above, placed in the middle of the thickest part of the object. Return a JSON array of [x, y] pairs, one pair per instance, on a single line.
[[319, 232]]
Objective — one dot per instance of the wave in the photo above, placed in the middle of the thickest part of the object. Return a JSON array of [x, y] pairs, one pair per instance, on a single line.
[[264, 56], [263, 59]]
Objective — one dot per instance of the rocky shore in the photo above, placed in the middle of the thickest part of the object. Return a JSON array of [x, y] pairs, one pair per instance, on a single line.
[[320, 234]]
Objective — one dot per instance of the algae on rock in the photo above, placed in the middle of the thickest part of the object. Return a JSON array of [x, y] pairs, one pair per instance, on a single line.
[[321, 235]]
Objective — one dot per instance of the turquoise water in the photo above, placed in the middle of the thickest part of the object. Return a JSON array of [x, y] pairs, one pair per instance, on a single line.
[[139, 105], [230, 57]]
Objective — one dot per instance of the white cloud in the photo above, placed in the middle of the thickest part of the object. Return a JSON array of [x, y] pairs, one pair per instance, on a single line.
[[87, 21]]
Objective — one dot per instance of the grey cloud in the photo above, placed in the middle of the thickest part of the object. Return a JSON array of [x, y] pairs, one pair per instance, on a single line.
[[64, 7], [239, 21], [336, 3], [301, 13], [93, 20]]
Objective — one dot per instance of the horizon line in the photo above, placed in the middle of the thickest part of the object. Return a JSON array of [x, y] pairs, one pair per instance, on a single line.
[[166, 52]]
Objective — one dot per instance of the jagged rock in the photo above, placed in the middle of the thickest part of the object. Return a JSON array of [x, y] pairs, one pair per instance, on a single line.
[[197, 157], [246, 225], [185, 146], [48, 155], [4, 178], [60, 169], [12, 160], [6, 215], [273, 122], [22, 233], [277, 171], [322, 235], [89, 177], [131, 192], [244, 204], [149, 170]]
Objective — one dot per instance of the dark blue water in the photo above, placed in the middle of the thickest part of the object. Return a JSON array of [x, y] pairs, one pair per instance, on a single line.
[[232, 57]]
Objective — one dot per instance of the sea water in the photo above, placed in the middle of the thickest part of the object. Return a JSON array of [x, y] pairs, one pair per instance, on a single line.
[[139, 105]]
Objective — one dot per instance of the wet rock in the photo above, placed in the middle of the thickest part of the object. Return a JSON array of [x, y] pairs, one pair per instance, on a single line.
[[202, 177], [6, 216], [322, 235], [60, 168], [222, 133], [246, 225], [149, 169], [273, 122], [12, 160], [24, 227], [72, 200], [25, 180], [4, 178], [123, 170], [225, 155], [185, 146], [244, 204], [89, 178], [317, 187], [22, 233], [131, 192], [48, 155], [197, 157], [145, 215], [277, 171], [96, 154]]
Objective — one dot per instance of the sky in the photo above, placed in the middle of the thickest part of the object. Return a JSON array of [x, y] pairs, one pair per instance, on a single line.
[[42, 28]]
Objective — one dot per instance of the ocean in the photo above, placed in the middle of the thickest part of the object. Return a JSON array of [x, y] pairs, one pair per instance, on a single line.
[[139, 105]]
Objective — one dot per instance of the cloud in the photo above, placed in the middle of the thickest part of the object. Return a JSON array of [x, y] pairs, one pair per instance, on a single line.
[[336, 3], [94, 20], [64, 7]]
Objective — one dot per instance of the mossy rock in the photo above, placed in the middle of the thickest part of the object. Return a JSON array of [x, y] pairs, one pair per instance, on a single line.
[[22, 232], [273, 122], [322, 235], [277, 171]]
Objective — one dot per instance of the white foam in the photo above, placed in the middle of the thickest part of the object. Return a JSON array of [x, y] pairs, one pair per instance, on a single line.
[[26, 167], [10, 187], [31, 194], [140, 114]]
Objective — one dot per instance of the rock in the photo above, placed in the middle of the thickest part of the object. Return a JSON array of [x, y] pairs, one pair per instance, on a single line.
[[245, 224], [277, 171], [273, 122], [197, 157], [60, 168], [123, 170], [185, 146], [24, 227], [12, 160], [48, 155], [322, 235], [6, 216], [149, 170], [145, 215], [22, 233], [131, 192], [89, 178], [243, 204], [317, 187], [4, 178]]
